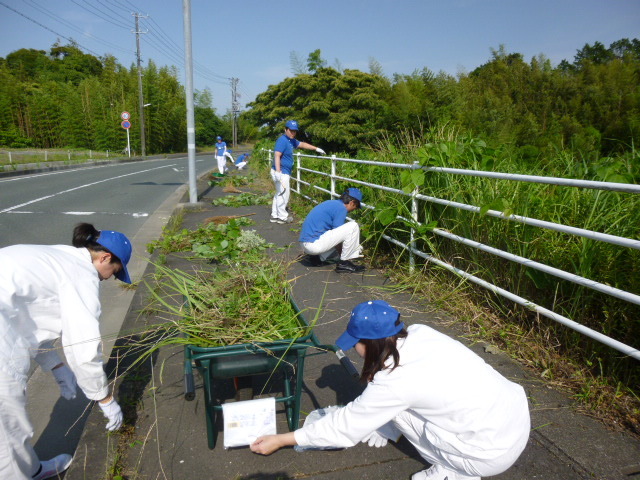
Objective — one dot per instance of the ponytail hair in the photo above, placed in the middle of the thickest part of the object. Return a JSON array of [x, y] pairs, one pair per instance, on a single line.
[[86, 235], [377, 351]]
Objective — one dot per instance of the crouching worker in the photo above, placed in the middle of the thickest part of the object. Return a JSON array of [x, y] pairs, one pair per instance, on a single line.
[[325, 233], [49, 292], [463, 417], [242, 161]]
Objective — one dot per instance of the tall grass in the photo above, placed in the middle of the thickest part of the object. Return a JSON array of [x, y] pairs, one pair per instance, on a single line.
[[607, 212]]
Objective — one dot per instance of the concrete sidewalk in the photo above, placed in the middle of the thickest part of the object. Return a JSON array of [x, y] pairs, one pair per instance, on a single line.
[[166, 437]]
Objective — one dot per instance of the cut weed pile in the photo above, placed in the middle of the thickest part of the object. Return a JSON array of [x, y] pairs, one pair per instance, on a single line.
[[213, 240], [245, 303], [244, 298], [243, 199]]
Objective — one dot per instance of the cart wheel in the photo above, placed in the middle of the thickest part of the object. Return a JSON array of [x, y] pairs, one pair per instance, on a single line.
[[244, 388]]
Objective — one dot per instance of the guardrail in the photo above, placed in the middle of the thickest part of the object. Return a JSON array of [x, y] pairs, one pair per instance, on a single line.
[[416, 196]]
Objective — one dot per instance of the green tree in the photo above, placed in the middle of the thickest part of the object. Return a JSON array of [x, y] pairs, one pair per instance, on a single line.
[[208, 125], [315, 61], [340, 111]]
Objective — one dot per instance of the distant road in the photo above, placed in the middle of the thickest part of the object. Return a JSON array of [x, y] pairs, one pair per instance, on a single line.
[[43, 208]]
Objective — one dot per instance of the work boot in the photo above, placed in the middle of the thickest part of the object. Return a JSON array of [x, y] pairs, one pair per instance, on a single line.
[[438, 472], [347, 266], [314, 260], [54, 467]]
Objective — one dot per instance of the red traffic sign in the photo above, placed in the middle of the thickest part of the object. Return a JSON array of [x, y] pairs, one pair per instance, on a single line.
[[126, 124], [125, 115]]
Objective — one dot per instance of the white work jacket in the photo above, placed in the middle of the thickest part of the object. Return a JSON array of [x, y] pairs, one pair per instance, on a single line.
[[469, 409], [50, 292]]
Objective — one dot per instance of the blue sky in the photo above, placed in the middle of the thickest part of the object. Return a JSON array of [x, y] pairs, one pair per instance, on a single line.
[[253, 39]]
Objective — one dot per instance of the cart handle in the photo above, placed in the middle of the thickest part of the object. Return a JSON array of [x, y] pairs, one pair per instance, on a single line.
[[346, 363]]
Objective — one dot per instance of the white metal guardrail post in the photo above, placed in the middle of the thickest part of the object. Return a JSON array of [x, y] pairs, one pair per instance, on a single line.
[[412, 232], [298, 172], [333, 177]]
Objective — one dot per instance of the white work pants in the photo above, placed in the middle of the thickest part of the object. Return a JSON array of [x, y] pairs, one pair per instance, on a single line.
[[348, 235], [240, 165], [281, 198], [18, 460], [413, 428], [221, 163]]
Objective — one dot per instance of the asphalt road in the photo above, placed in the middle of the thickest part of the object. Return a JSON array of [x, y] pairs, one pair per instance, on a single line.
[[135, 198], [43, 208]]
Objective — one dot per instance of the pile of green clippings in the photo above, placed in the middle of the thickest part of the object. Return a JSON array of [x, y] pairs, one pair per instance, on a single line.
[[214, 242], [243, 199], [246, 303]]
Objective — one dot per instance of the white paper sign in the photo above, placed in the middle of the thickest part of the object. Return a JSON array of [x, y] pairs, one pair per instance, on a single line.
[[246, 421]]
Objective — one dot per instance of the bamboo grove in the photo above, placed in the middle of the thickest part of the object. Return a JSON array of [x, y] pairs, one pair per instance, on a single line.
[[66, 98]]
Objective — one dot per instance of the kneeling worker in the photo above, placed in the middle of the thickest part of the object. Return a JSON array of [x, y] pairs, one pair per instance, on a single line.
[[324, 232], [464, 418]]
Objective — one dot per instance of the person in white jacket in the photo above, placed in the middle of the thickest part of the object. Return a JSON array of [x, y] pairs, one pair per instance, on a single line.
[[49, 292], [463, 417]]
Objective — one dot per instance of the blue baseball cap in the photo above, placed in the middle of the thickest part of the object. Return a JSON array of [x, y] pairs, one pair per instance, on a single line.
[[370, 320], [354, 193], [118, 244], [218, 138], [292, 125]]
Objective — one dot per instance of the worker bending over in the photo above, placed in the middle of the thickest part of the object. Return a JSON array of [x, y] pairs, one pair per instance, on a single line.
[[49, 292]]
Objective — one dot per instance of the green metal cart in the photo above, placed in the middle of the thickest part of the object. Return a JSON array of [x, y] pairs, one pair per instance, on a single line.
[[247, 359]]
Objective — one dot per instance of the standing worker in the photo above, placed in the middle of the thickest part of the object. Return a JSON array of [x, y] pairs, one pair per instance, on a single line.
[[325, 232], [462, 416], [281, 170], [49, 292], [221, 151]]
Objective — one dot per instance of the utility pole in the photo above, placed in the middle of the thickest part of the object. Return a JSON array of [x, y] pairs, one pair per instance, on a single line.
[[143, 144], [191, 124], [235, 109]]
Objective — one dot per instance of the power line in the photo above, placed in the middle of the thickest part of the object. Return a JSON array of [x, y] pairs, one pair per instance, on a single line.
[[106, 19], [61, 20], [73, 42], [169, 43], [118, 14]]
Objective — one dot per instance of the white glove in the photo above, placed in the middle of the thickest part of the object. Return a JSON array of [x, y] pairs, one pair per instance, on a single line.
[[113, 413], [320, 151], [66, 381], [375, 440], [278, 176]]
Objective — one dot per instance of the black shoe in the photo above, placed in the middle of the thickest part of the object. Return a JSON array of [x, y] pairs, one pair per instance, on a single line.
[[315, 261], [347, 266]]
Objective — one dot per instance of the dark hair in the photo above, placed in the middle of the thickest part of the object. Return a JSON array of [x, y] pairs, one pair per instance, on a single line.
[[378, 351], [85, 235], [346, 198]]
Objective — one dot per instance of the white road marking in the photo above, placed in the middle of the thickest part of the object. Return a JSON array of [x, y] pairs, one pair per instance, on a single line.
[[80, 187], [29, 212]]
